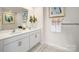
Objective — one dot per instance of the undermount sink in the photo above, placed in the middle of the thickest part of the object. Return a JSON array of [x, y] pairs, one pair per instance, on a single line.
[[15, 31], [7, 32]]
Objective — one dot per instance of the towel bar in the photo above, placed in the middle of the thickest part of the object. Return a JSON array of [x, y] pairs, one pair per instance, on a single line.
[[70, 23]]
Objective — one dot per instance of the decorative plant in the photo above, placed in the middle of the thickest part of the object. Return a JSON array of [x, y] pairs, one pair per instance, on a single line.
[[33, 19]]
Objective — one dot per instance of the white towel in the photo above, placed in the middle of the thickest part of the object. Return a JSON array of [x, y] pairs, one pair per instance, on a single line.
[[56, 27]]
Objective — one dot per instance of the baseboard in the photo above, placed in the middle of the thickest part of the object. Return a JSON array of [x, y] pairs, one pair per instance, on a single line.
[[60, 47]]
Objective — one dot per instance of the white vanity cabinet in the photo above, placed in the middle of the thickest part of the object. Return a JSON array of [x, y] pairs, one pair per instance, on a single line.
[[17, 44], [1, 45], [20, 42], [34, 38]]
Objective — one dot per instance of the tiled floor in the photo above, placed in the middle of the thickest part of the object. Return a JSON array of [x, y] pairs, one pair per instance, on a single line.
[[45, 48]]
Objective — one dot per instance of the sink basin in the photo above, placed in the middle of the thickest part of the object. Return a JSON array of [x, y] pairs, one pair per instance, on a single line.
[[10, 32], [7, 32]]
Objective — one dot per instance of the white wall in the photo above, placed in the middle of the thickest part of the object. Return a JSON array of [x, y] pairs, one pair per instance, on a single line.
[[68, 38]]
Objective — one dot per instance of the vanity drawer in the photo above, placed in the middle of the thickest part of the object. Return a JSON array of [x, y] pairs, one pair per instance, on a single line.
[[18, 46], [14, 38]]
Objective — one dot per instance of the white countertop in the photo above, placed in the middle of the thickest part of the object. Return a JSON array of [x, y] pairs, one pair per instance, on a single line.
[[8, 33]]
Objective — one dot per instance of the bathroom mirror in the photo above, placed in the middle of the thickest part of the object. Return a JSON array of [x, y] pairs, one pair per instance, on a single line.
[[25, 15]]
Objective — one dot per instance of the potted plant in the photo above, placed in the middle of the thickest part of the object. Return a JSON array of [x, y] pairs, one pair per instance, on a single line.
[[33, 19]]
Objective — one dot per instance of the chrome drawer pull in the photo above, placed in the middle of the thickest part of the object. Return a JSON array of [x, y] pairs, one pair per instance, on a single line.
[[35, 36], [19, 43]]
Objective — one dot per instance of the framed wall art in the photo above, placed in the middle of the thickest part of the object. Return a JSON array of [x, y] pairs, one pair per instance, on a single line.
[[8, 18], [56, 12]]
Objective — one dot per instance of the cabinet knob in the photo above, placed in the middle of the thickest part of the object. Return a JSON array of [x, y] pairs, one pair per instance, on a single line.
[[19, 43], [35, 35]]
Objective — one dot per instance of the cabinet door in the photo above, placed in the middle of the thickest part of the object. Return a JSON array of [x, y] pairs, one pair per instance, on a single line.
[[37, 36], [34, 38], [1, 46], [18, 46]]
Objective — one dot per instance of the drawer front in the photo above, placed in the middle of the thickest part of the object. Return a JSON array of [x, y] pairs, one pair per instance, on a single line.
[[18, 46], [11, 39], [1, 46]]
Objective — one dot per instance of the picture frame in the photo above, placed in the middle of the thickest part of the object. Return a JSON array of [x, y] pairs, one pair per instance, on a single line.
[[8, 18], [0, 19], [56, 12]]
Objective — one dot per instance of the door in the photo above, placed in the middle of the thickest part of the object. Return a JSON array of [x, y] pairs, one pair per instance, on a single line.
[[34, 38], [1, 46]]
